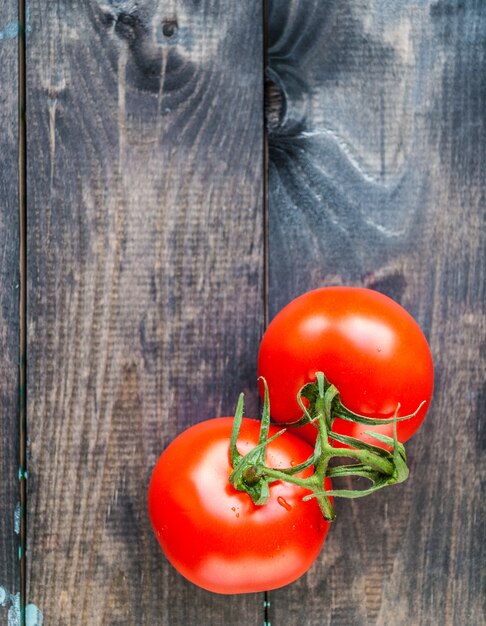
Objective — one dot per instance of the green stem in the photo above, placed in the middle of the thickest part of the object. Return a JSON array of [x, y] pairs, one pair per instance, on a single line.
[[276, 474], [323, 408], [250, 473]]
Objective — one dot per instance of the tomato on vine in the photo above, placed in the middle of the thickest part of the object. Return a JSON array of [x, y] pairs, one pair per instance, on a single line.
[[367, 345], [239, 506], [216, 535]]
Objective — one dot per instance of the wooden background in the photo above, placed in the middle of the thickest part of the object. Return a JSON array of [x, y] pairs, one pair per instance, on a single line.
[[9, 315], [154, 260]]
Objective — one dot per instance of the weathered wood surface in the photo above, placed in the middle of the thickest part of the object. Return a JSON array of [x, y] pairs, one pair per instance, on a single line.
[[9, 314], [378, 178], [145, 282], [146, 295]]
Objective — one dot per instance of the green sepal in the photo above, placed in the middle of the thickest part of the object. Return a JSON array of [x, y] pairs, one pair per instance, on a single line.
[[249, 465], [398, 454], [258, 491], [390, 441], [296, 469], [238, 418], [265, 422], [313, 390], [353, 469], [345, 414], [379, 481], [310, 392], [353, 442]]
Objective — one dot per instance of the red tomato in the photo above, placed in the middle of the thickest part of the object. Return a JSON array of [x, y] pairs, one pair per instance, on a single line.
[[214, 535], [366, 344]]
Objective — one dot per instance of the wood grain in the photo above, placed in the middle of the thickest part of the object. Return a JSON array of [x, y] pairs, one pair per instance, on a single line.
[[145, 284], [9, 313], [377, 178]]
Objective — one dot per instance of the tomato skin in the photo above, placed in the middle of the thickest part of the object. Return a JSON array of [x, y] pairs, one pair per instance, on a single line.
[[366, 344], [214, 535]]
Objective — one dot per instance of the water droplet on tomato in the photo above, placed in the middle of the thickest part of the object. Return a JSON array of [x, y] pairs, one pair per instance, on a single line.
[[283, 502]]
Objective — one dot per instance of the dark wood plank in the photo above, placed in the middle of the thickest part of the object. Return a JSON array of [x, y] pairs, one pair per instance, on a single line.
[[378, 178], [9, 316], [145, 284]]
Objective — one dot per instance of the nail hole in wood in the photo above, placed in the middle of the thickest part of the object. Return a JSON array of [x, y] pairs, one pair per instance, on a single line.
[[169, 28]]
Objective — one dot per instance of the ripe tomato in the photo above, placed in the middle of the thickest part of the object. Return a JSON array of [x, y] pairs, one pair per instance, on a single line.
[[366, 344], [214, 535]]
